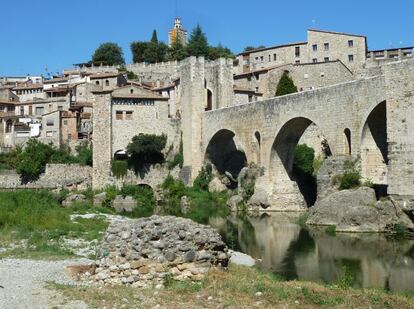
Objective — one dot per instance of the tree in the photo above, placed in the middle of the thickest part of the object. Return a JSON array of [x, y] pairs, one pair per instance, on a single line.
[[176, 51], [138, 50], [250, 48], [32, 161], [154, 38], [219, 52], [198, 44], [109, 54], [146, 149], [285, 85], [155, 52]]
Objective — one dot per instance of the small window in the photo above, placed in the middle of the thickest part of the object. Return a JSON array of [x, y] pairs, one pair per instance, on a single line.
[[315, 47], [270, 58], [128, 115], [297, 61], [257, 89], [49, 133], [250, 98], [119, 115], [65, 122], [297, 51], [21, 111], [249, 78], [257, 77], [326, 59], [274, 57], [257, 58], [326, 46], [306, 76], [97, 82], [107, 83], [322, 74], [50, 122], [351, 43], [40, 110], [315, 60], [351, 58], [261, 58], [131, 91]]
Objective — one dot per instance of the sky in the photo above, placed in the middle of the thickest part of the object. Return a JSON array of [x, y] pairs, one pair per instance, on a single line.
[[52, 35]]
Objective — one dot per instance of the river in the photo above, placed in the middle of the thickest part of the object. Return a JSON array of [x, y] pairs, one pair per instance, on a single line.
[[282, 246]]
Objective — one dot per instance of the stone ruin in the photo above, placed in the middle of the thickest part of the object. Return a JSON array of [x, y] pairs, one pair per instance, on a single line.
[[143, 252]]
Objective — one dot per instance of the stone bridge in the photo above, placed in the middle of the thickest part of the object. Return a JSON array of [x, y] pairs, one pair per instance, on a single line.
[[371, 118]]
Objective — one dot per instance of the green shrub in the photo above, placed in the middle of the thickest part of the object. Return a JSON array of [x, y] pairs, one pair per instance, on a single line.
[[302, 220], [285, 85], [9, 160], [330, 230], [204, 177], [350, 180], [119, 168], [400, 230], [178, 158], [303, 159], [84, 154], [316, 165], [146, 149]]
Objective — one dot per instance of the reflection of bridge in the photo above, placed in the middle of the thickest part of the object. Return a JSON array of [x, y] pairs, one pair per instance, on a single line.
[[372, 118]]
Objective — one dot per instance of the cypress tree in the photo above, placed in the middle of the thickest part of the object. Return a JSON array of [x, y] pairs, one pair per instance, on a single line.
[[154, 38], [285, 85], [198, 44]]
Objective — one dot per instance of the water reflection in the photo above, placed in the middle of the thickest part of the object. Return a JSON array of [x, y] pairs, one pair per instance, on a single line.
[[283, 247]]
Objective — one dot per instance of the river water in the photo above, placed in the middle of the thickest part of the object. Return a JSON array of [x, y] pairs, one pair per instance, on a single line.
[[282, 246]]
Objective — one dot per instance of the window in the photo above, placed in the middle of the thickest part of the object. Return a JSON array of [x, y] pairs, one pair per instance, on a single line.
[[270, 58], [257, 89], [9, 126], [60, 108], [50, 122], [315, 60], [21, 111], [306, 76], [40, 110], [261, 58], [326, 59], [97, 82], [49, 133], [119, 115], [322, 74], [351, 43], [326, 46], [107, 83], [250, 98], [65, 122], [257, 77], [297, 61], [297, 51], [249, 78], [131, 91], [351, 58], [257, 58], [274, 57], [128, 115], [315, 47]]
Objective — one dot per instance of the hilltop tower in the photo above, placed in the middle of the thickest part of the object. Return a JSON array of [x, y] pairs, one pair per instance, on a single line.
[[177, 33]]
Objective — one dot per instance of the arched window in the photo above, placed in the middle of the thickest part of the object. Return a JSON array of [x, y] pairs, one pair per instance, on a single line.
[[348, 145], [107, 83], [9, 126]]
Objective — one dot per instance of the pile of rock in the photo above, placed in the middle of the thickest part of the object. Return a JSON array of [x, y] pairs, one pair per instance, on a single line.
[[143, 252]]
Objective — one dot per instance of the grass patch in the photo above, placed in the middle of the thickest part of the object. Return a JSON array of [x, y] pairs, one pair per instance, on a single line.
[[36, 220], [236, 288], [330, 230]]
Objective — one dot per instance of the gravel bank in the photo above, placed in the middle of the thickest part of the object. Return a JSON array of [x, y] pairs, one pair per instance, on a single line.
[[23, 283]]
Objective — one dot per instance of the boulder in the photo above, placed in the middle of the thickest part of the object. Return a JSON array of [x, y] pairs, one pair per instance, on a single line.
[[73, 198], [98, 199], [234, 202], [124, 204], [357, 211], [260, 199], [216, 185]]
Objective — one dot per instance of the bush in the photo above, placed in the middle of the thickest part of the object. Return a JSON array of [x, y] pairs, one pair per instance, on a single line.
[[285, 85], [84, 154], [178, 158], [303, 159], [350, 180], [119, 168], [204, 177], [9, 160], [146, 149]]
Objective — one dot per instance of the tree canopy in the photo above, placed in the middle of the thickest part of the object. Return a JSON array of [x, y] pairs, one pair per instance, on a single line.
[[285, 85], [108, 54], [198, 44]]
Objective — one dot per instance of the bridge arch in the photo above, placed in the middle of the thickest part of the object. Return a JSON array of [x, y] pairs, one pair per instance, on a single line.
[[285, 180], [374, 145], [226, 153]]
